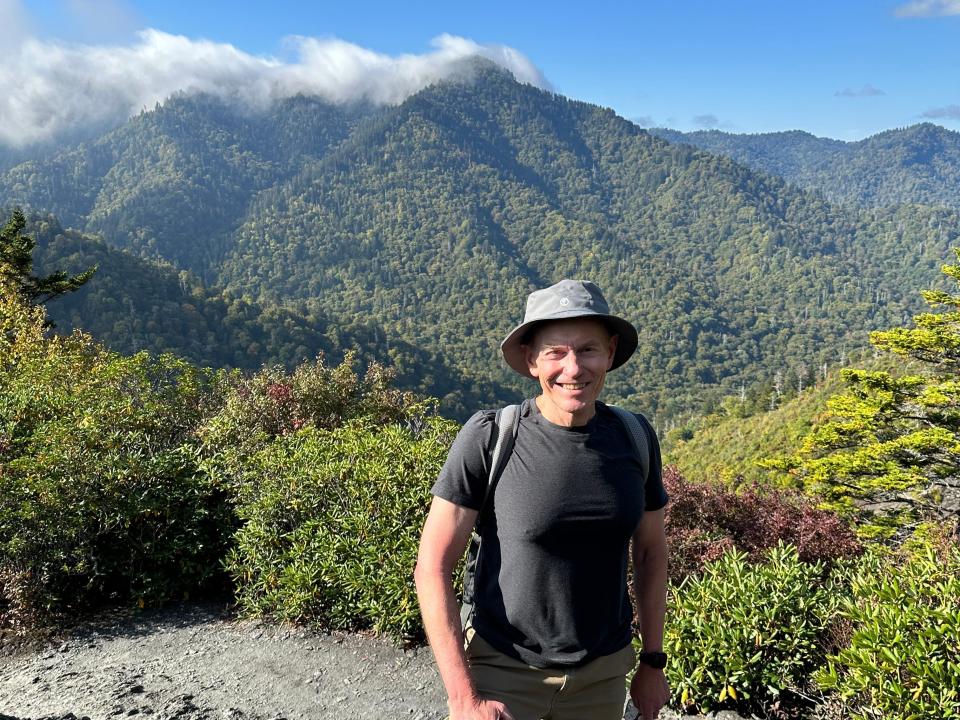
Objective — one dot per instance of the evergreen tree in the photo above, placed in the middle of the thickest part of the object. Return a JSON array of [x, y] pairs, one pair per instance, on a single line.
[[16, 266], [889, 448]]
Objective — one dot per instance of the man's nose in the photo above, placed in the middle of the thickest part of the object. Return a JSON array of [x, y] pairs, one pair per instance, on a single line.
[[571, 364]]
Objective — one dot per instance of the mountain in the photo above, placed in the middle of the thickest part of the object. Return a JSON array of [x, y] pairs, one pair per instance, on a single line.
[[135, 304], [917, 164], [433, 219], [172, 183]]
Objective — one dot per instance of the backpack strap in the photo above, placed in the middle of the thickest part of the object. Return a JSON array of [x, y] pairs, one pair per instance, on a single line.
[[507, 423], [638, 436]]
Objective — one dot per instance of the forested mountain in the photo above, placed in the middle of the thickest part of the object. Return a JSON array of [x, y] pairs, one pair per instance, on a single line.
[[917, 164], [433, 219], [140, 304], [173, 182]]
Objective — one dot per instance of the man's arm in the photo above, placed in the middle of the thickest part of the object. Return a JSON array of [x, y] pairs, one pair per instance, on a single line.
[[444, 539], [649, 688]]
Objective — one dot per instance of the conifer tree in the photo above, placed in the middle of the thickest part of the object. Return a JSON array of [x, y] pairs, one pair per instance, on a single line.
[[889, 447], [16, 266]]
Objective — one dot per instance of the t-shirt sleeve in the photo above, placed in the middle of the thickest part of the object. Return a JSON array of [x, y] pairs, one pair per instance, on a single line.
[[463, 478], [655, 495]]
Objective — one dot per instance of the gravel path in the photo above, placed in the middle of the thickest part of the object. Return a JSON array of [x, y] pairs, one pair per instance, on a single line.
[[197, 662]]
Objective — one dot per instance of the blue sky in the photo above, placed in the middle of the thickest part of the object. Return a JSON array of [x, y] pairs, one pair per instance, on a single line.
[[836, 69]]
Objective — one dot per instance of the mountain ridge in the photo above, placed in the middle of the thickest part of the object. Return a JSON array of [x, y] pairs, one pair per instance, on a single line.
[[433, 220]]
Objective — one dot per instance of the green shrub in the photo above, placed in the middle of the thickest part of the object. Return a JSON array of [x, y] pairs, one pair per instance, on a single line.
[[747, 636], [99, 491], [332, 520], [273, 403], [903, 657]]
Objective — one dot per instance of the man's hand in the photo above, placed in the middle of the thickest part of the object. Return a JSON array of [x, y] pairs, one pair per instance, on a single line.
[[649, 691], [481, 710]]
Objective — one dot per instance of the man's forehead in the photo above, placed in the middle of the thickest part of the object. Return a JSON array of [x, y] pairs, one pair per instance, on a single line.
[[577, 330]]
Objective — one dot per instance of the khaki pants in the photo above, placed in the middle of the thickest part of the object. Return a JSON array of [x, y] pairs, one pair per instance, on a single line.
[[595, 691]]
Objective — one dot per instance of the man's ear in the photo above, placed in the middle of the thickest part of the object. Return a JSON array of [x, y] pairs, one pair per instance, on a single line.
[[614, 339], [531, 358]]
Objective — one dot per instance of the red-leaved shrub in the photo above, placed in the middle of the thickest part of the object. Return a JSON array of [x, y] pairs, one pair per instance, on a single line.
[[703, 520]]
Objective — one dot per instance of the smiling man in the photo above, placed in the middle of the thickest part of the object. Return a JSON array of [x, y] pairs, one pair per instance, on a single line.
[[548, 633]]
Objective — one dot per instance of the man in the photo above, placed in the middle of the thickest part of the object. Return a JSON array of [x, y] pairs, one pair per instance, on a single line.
[[549, 635]]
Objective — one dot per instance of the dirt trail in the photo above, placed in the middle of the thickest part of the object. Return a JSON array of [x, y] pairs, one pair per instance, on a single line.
[[197, 662]]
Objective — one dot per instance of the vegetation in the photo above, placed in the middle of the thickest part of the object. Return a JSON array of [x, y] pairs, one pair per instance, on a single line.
[[887, 450], [901, 657], [99, 493], [16, 266], [706, 520], [758, 632]]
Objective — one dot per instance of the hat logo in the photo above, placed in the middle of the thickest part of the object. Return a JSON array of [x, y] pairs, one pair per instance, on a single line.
[[564, 301]]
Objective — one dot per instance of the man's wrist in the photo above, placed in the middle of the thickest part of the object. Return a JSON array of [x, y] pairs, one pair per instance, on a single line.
[[655, 659]]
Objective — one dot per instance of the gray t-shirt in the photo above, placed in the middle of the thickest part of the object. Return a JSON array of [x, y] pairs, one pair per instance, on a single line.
[[551, 586]]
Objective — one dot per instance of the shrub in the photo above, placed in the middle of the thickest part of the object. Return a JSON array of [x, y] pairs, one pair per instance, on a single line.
[[748, 636], [273, 404], [705, 520], [903, 657], [99, 493], [332, 520]]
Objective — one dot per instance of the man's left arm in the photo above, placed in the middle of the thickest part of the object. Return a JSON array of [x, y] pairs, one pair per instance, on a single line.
[[649, 689]]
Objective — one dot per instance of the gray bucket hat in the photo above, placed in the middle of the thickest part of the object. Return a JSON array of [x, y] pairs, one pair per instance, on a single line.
[[567, 299]]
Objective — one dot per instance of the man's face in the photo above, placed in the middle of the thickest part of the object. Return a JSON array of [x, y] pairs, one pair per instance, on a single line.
[[570, 358]]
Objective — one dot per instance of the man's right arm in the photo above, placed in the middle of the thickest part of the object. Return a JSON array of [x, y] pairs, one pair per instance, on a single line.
[[444, 539]]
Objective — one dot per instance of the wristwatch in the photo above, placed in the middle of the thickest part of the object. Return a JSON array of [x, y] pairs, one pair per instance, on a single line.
[[656, 660]]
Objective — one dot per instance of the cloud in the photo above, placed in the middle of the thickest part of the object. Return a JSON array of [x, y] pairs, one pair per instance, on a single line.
[[706, 121], [55, 87], [643, 120], [928, 8], [949, 112], [867, 90]]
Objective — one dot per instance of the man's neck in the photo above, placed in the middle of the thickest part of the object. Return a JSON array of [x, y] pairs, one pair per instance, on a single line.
[[565, 419]]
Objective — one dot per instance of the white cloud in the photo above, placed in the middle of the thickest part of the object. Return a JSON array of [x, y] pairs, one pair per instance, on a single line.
[[867, 90], [53, 87], [928, 8]]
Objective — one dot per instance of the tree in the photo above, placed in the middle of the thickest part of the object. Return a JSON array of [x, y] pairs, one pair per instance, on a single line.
[[889, 447], [16, 266]]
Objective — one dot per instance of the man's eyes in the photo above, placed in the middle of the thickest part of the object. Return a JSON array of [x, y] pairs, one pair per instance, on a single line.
[[560, 352]]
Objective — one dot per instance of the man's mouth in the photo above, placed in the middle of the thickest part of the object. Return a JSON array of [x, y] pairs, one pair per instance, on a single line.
[[572, 386]]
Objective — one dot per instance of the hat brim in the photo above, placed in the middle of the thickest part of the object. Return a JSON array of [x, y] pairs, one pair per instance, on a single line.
[[512, 345]]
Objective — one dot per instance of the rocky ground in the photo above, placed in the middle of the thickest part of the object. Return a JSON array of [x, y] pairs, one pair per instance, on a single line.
[[197, 662]]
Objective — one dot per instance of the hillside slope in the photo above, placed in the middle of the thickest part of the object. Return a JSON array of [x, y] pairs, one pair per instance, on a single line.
[[916, 164]]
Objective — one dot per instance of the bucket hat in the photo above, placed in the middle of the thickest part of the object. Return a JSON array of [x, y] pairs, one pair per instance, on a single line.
[[563, 301]]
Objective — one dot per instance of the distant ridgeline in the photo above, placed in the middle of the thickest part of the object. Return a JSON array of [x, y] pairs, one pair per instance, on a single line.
[[416, 232], [917, 164]]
